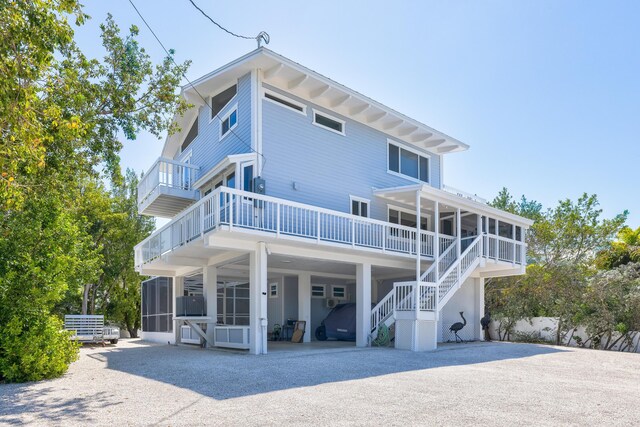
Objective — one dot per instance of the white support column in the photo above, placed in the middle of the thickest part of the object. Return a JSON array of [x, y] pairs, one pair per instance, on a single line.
[[304, 303], [458, 233], [416, 290], [258, 300], [436, 249], [210, 292], [178, 291], [479, 283], [363, 304]]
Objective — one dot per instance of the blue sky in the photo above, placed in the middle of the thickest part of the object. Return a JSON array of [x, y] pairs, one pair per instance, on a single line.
[[546, 93]]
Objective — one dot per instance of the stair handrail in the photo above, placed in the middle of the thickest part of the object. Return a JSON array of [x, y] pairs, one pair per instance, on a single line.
[[457, 263], [440, 257], [376, 317]]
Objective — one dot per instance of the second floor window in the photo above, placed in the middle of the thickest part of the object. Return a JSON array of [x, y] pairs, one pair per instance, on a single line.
[[219, 101], [408, 163], [330, 123], [359, 207], [229, 122], [191, 135]]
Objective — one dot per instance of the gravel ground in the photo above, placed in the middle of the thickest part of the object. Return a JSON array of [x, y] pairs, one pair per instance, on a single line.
[[136, 383]]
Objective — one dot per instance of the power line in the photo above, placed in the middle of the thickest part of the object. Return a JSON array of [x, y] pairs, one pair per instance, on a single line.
[[170, 55], [218, 25]]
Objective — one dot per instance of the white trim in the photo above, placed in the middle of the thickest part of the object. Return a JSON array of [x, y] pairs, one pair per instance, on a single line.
[[360, 200], [324, 291], [414, 151], [271, 288], [225, 117], [275, 94], [231, 101], [328, 116], [222, 166]]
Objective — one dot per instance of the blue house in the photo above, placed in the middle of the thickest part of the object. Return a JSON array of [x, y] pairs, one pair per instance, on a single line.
[[288, 194]]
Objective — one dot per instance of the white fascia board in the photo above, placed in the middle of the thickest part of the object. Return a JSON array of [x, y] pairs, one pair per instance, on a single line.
[[263, 57], [445, 197], [361, 97], [222, 165]]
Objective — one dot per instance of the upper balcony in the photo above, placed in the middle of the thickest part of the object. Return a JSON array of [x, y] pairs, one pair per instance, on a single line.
[[167, 188]]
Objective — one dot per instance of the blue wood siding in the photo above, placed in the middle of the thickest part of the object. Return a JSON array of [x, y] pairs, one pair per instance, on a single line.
[[327, 167], [207, 149]]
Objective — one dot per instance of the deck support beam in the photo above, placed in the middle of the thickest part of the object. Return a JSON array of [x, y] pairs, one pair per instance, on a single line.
[[304, 303], [258, 301], [363, 304], [210, 292]]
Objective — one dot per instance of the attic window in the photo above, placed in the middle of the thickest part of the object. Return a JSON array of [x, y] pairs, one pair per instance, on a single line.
[[193, 133], [220, 100], [285, 102], [330, 123]]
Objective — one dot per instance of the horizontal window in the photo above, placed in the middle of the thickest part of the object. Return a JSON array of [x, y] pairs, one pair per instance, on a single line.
[[285, 102], [219, 101], [407, 219], [317, 291], [339, 292], [229, 122], [330, 123], [408, 163]]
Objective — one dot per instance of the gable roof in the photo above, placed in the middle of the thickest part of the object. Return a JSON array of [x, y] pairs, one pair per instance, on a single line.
[[307, 84]]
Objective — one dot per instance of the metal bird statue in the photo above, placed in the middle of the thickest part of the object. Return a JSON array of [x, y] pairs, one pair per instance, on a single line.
[[456, 327], [485, 321]]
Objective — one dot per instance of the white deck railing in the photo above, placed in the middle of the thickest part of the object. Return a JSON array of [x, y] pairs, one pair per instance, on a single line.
[[167, 173], [463, 194], [241, 210]]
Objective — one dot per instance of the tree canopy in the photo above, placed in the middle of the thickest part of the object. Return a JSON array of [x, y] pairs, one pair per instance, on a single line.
[[565, 247], [66, 217]]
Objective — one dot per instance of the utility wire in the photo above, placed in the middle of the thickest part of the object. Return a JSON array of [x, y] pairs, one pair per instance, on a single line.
[[220, 26], [169, 54]]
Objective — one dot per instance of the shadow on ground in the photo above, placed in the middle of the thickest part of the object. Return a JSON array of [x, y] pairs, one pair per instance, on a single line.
[[221, 375], [19, 399]]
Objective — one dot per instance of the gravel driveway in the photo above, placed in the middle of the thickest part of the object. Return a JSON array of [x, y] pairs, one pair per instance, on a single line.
[[136, 383]]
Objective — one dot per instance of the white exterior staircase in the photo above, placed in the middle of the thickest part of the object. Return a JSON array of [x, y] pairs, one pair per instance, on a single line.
[[453, 271]]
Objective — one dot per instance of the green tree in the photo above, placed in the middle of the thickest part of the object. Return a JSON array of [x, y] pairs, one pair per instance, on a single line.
[[561, 247], [611, 308], [61, 114], [624, 250]]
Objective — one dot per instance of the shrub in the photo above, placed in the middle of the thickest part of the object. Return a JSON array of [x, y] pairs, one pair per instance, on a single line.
[[35, 347]]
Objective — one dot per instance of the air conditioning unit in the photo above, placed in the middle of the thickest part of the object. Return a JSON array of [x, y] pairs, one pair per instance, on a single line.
[[331, 302]]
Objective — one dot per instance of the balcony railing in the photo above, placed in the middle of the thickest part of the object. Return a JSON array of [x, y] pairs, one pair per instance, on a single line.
[[463, 194], [169, 174], [241, 210]]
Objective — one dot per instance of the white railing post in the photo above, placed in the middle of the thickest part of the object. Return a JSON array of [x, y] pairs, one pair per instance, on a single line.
[[202, 219], [318, 225], [278, 219], [497, 230], [353, 233], [513, 236], [231, 210], [216, 208]]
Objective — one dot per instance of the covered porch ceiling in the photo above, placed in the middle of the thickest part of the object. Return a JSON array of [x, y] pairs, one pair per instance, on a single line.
[[448, 202]]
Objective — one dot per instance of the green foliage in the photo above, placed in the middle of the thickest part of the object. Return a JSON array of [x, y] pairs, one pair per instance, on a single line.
[[562, 246], [34, 347], [60, 117], [624, 250], [610, 308]]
